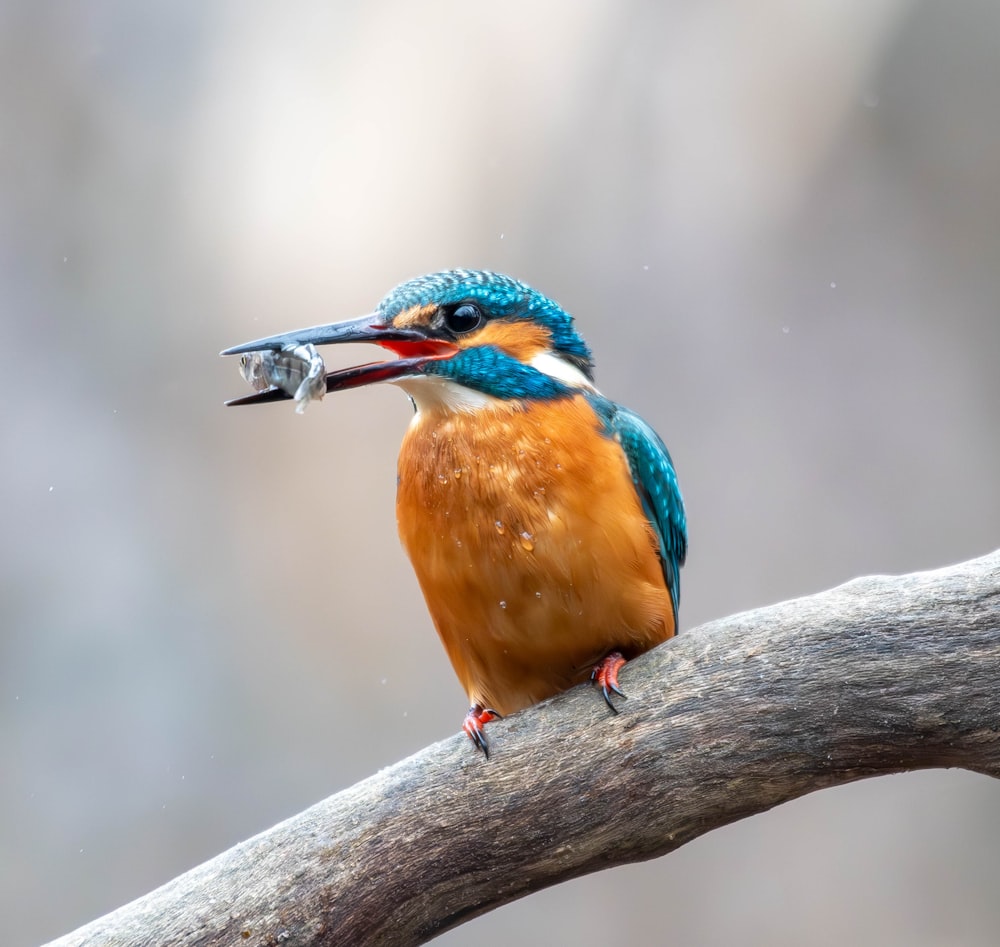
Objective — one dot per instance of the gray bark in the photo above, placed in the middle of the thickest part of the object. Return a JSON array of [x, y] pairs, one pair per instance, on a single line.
[[732, 718]]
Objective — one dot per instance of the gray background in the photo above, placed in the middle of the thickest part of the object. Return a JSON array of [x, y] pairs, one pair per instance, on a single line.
[[778, 224]]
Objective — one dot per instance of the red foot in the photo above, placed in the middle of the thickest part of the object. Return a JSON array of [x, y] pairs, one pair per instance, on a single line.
[[473, 726], [605, 673]]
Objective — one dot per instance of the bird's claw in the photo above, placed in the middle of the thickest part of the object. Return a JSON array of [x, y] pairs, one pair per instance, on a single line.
[[605, 674], [473, 724]]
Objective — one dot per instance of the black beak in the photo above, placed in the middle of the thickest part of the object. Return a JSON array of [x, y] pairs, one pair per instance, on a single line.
[[415, 346], [365, 329]]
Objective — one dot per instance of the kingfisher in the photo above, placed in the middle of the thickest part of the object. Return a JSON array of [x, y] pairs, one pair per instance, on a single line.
[[544, 521]]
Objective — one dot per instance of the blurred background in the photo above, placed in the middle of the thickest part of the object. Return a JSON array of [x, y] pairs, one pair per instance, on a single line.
[[778, 225]]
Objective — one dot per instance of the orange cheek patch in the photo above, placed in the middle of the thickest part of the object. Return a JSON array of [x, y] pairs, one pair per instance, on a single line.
[[522, 340], [415, 316]]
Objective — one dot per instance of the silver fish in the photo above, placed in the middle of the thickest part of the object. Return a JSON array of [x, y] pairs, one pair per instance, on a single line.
[[297, 369]]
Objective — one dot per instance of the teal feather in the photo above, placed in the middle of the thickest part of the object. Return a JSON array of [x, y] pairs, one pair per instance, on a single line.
[[656, 483]]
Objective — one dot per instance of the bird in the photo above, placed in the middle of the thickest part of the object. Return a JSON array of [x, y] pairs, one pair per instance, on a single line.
[[544, 521]]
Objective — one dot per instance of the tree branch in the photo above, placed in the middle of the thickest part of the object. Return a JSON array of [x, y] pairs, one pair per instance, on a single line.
[[730, 719]]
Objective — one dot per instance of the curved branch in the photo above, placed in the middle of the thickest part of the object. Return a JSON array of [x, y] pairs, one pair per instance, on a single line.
[[877, 676]]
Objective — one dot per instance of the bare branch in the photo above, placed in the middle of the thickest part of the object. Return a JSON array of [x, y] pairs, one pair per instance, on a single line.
[[877, 676]]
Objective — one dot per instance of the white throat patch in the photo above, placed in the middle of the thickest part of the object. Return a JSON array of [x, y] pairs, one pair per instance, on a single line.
[[434, 393]]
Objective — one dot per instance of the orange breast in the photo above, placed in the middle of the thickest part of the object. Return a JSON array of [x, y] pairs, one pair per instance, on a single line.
[[530, 545]]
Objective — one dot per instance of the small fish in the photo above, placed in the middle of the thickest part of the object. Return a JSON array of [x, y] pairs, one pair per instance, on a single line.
[[296, 369]]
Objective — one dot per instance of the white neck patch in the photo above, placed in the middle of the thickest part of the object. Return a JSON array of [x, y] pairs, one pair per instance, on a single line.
[[558, 368]]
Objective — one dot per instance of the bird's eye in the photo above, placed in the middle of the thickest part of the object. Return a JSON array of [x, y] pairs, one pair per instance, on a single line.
[[463, 318]]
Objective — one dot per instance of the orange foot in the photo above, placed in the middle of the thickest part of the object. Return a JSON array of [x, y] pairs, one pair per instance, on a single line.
[[473, 725], [605, 673]]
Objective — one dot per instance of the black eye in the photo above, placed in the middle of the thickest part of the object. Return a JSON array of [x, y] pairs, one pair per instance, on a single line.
[[463, 318]]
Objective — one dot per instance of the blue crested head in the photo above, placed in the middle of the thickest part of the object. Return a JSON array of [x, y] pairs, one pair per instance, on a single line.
[[474, 329], [497, 298]]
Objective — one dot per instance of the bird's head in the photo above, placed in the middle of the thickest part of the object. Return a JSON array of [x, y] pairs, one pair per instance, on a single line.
[[463, 337]]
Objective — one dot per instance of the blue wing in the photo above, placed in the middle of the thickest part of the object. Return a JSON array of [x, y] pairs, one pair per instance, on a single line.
[[656, 483]]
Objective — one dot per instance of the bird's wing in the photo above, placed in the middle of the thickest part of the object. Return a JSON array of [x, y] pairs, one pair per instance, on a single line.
[[656, 483]]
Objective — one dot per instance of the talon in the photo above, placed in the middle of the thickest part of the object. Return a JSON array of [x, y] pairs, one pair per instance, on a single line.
[[605, 674], [473, 724]]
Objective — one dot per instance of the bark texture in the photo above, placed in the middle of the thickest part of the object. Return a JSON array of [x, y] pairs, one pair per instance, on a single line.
[[877, 676]]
